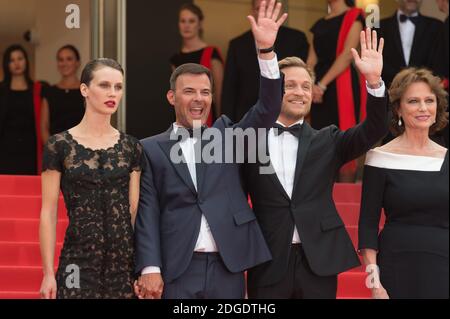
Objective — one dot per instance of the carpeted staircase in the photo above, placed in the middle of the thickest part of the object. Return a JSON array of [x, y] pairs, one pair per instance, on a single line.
[[20, 261]]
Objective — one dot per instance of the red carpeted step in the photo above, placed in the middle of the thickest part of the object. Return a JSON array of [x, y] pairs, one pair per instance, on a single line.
[[349, 213], [24, 254], [20, 185], [347, 193], [20, 278], [26, 207], [27, 230], [353, 285], [19, 295]]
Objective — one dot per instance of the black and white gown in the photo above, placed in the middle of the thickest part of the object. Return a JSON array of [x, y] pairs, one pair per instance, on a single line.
[[413, 246]]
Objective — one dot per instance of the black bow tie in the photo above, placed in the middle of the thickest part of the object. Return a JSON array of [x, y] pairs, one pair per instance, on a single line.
[[404, 17], [294, 129]]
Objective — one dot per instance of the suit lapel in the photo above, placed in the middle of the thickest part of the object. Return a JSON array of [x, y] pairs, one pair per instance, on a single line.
[[420, 29], [181, 168], [273, 177], [303, 146]]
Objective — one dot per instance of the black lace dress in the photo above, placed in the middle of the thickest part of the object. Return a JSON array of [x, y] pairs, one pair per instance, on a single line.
[[98, 244]]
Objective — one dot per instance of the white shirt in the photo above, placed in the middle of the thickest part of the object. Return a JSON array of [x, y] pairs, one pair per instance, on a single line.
[[283, 156], [407, 30], [205, 242]]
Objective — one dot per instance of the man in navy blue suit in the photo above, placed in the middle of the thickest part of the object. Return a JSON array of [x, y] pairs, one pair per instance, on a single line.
[[195, 232]]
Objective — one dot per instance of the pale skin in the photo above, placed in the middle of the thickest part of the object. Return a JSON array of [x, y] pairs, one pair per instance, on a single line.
[[17, 65], [298, 83], [418, 108], [190, 26], [94, 132], [68, 66], [343, 61], [192, 101]]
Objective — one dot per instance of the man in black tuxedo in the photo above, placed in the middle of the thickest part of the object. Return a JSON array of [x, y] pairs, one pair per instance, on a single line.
[[410, 39], [241, 77], [195, 232], [293, 203]]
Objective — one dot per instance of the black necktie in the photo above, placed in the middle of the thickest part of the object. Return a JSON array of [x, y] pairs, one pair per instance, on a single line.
[[294, 130], [404, 17]]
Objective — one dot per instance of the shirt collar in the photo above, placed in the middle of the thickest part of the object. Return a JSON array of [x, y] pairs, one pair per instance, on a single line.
[[298, 122]]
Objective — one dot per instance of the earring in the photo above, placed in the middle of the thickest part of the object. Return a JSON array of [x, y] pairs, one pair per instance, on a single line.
[[400, 121]]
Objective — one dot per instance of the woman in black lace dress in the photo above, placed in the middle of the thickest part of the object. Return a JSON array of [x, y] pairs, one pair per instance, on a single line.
[[98, 170]]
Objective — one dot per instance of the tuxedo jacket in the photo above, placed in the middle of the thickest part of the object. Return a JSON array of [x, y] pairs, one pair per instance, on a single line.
[[426, 34], [321, 153], [170, 208], [241, 77]]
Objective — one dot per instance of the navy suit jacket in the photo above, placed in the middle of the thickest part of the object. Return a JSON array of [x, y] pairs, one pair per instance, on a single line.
[[170, 208]]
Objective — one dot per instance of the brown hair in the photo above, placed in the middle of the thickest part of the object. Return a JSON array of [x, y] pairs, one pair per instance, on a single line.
[[190, 68], [402, 82], [195, 10], [296, 62]]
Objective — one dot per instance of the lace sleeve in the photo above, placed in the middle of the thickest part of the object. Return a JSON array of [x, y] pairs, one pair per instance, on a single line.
[[51, 157], [138, 161]]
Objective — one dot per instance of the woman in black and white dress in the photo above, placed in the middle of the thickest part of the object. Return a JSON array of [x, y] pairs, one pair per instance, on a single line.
[[408, 178]]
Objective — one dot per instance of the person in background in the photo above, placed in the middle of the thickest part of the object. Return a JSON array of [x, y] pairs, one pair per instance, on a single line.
[[339, 94], [410, 39], [241, 79], [63, 104], [195, 50], [408, 178], [20, 103]]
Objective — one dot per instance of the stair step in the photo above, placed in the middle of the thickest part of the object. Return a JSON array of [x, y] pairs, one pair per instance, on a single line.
[[19, 295], [347, 193], [20, 278], [20, 185], [24, 254], [26, 207], [351, 284], [27, 230]]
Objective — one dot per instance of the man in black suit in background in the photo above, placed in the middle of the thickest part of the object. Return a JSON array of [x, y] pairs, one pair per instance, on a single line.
[[241, 77], [410, 39], [294, 204]]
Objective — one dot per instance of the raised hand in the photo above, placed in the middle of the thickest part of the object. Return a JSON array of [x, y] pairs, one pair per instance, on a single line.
[[265, 30], [370, 64]]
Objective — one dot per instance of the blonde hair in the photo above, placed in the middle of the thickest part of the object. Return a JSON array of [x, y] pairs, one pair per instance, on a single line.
[[294, 61]]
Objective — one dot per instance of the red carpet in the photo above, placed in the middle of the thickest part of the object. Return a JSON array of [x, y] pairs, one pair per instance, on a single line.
[[20, 261]]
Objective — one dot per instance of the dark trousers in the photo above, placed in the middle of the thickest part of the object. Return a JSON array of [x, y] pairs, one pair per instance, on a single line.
[[206, 278], [299, 282]]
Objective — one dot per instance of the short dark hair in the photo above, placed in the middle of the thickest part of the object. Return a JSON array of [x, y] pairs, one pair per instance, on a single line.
[[402, 82], [195, 10], [71, 48], [190, 68], [92, 66]]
